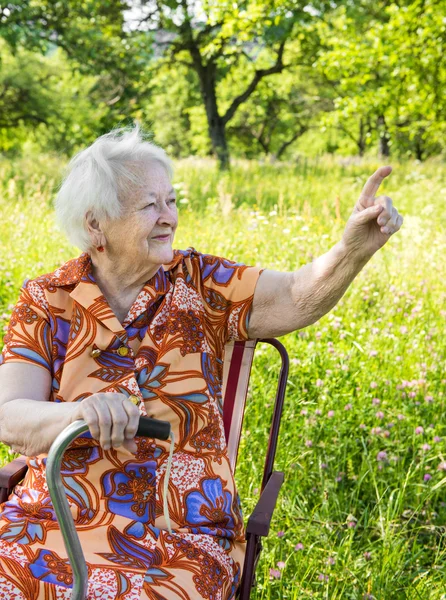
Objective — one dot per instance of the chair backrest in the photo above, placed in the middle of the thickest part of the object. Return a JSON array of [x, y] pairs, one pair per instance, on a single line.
[[236, 372]]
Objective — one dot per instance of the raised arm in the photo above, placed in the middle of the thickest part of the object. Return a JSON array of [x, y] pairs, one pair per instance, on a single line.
[[286, 302]]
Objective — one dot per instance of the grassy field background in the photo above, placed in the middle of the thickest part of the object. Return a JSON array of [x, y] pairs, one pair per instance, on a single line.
[[362, 512]]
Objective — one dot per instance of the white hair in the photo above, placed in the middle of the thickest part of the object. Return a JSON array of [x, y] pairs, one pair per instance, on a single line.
[[98, 178]]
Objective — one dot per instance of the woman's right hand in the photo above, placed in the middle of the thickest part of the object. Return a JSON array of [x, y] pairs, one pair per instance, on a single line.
[[112, 419]]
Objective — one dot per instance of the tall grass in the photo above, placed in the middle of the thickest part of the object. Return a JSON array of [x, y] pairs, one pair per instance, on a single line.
[[362, 513]]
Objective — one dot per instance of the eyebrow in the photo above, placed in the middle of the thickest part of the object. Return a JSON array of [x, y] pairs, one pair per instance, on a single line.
[[169, 192]]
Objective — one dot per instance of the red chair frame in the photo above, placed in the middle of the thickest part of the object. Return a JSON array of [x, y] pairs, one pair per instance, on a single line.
[[236, 373]]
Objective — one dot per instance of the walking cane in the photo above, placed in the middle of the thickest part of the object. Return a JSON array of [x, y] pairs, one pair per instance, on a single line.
[[148, 427]]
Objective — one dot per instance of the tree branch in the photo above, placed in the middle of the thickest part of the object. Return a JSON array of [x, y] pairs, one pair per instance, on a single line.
[[259, 75], [297, 135]]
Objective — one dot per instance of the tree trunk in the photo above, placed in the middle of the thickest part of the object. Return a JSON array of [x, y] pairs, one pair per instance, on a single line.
[[361, 138], [384, 138], [216, 125], [419, 147], [217, 133]]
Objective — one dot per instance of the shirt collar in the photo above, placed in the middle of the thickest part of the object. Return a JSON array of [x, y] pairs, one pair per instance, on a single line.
[[88, 294]]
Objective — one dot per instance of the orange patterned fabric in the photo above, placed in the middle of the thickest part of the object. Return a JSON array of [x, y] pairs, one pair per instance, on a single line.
[[175, 333]]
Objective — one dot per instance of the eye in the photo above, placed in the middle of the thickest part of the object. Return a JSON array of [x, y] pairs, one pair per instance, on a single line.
[[173, 200], [151, 204]]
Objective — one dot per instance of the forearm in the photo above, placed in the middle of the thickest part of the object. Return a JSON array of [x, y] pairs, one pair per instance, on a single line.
[[31, 426], [318, 286]]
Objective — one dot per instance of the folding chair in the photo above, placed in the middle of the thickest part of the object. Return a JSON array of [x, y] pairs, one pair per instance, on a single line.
[[236, 373]]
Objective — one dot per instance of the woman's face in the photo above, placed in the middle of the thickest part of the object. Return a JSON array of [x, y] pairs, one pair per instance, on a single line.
[[149, 210]]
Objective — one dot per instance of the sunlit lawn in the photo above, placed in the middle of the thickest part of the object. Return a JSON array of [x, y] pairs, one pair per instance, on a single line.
[[362, 513]]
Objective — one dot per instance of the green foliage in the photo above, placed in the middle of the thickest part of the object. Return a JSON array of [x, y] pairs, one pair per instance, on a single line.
[[268, 78], [43, 103], [386, 68]]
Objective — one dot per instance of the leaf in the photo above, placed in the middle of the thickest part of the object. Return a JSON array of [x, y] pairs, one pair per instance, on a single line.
[[360, 348]]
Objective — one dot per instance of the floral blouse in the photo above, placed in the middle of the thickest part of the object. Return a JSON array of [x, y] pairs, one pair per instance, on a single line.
[[169, 352]]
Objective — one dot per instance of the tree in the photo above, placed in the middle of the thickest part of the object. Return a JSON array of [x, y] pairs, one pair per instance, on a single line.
[[209, 38], [385, 65], [276, 115], [43, 102]]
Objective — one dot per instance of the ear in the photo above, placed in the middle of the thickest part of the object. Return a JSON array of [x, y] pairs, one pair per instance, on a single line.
[[94, 229]]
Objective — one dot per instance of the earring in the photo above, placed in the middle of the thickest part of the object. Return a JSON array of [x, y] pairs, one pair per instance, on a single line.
[[100, 248]]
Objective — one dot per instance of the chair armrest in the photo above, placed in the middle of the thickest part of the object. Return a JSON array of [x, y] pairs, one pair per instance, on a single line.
[[10, 475], [260, 520]]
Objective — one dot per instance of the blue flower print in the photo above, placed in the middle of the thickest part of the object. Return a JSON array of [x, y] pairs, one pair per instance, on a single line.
[[48, 566], [26, 519], [211, 506], [131, 492]]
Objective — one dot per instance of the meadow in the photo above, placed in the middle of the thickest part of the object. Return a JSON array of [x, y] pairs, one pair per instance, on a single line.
[[362, 512]]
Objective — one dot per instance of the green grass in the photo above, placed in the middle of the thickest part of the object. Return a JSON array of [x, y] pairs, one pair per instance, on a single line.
[[384, 341]]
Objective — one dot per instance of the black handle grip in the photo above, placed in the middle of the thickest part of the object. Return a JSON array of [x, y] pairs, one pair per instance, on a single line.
[[153, 428]]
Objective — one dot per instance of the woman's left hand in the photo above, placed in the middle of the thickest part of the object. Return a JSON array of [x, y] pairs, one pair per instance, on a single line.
[[373, 220]]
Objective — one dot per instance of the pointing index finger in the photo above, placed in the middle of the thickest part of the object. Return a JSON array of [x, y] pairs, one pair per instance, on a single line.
[[372, 185]]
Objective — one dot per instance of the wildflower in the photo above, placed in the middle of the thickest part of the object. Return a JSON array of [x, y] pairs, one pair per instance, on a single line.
[[373, 353], [401, 417], [426, 447], [362, 426], [375, 430], [427, 476], [442, 466], [331, 560], [275, 574], [304, 412], [280, 534], [429, 399], [318, 412], [308, 443], [351, 524], [324, 465], [281, 564], [381, 456], [419, 430], [376, 401], [413, 395], [348, 406], [403, 329], [379, 414], [330, 414], [437, 439], [319, 383], [373, 385], [299, 546], [322, 577], [367, 555], [386, 433]]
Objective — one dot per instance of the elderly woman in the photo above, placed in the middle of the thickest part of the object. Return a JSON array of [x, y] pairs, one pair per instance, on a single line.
[[132, 327]]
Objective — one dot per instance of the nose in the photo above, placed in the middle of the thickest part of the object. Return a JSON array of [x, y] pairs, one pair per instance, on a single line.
[[168, 215]]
